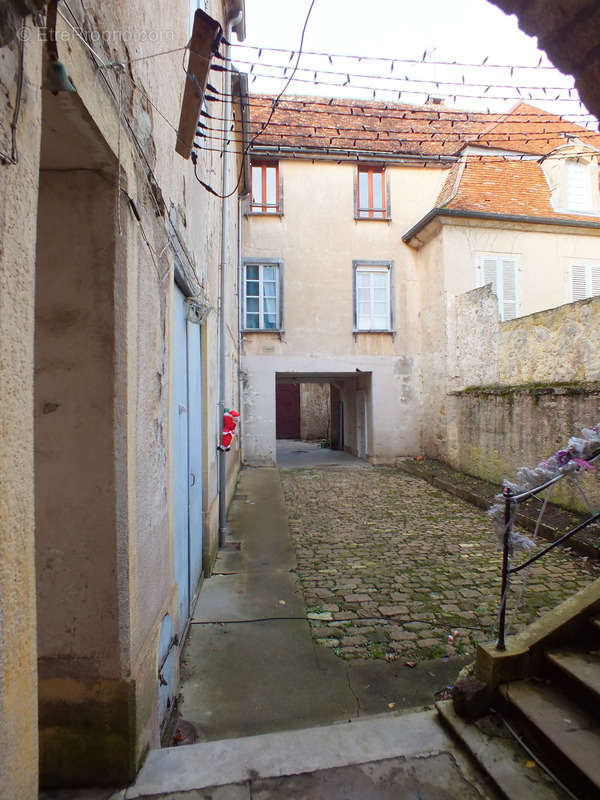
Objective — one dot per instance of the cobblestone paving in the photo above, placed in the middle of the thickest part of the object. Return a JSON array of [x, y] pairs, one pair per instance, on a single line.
[[392, 567]]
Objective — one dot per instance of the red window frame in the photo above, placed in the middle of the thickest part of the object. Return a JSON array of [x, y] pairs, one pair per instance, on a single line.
[[264, 207], [368, 210]]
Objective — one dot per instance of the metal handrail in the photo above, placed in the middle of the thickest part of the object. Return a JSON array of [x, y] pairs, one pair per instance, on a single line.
[[511, 501]]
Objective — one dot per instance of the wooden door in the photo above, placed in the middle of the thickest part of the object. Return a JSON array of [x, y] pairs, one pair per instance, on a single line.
[[287, 405]]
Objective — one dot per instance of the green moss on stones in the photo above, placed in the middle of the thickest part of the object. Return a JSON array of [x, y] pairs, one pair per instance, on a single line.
[[532, 389], [90, 742]]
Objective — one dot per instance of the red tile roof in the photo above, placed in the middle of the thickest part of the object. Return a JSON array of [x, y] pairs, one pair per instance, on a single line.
[[334, 124], [477, 183], [517, 188]]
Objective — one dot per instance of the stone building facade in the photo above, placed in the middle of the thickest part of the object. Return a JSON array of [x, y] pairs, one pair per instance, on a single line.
[[367, 220], [110, 252]]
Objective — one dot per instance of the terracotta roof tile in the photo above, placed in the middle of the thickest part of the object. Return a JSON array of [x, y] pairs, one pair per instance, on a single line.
[[507, 187], [318, 123]]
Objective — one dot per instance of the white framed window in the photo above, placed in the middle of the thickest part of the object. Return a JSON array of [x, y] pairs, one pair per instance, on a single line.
[[584, 280], [578, 185], [262, 295], [501, 272], [373, 291]]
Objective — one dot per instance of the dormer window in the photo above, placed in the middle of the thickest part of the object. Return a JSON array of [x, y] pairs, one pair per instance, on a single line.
[[578, 185]]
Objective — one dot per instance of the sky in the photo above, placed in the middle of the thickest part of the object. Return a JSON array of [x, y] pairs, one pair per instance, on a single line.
[[449, 30]]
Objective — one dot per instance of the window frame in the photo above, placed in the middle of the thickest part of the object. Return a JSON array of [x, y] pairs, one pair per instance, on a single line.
[[500, 258], [583, 166], [262, 262], [361, 265], [588, 265], [368, 212], [262, 208]]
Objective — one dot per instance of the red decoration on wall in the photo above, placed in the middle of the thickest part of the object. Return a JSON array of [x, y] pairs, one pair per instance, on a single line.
[[230, 421]]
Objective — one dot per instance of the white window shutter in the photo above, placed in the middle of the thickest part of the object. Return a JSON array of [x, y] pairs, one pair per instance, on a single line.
[[578, 185], [595, 270], [509, 289], [488, 270], [578, 282]]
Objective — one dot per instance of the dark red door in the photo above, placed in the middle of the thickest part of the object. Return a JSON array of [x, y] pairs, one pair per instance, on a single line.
[[287, 403]]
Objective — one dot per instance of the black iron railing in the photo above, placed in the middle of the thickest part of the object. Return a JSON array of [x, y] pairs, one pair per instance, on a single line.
[[511, 502]]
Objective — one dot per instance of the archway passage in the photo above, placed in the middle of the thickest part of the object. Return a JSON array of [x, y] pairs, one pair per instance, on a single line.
[[330, 411]]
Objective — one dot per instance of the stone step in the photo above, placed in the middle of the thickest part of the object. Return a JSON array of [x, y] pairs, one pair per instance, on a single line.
[[507, 764], [559, 731], [235, 761], [579, 673]]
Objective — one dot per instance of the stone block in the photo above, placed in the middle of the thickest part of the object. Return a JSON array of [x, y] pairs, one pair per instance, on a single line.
[[471, 698]]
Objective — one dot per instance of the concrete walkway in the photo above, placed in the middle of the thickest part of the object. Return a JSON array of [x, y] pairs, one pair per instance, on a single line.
[[294, 453], [277, 716]]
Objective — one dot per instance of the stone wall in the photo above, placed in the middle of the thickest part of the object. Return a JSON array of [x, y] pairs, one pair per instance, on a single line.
[[494, 431], [314, 411], [12, 13], [97, 384], [18, 206], [526, 386], [561, 344]]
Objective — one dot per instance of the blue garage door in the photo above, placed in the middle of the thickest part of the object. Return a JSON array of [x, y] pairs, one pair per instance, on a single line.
[[187, 457]]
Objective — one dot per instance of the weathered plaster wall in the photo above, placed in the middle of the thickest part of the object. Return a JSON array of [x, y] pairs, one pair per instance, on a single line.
[[18, 201], [543, 256], [391, 429], [433, 332], [75, 477], [314, 410], [317, 242], [102, 609]]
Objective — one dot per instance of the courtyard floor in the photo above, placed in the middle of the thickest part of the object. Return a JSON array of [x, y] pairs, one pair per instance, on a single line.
[[393, 568]]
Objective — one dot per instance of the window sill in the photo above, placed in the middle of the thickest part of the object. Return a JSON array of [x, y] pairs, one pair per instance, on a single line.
[[372, 219], [276, 331], [264, 214], [356, 331]]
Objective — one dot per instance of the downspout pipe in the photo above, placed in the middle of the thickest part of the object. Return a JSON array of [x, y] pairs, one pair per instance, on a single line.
[[225, 217]]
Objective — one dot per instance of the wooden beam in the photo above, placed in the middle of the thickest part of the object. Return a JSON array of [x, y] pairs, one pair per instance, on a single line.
[[205, 38]]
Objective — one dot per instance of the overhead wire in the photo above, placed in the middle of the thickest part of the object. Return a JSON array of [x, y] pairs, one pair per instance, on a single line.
[[430, 81], [380, 106], [395, 60], [418, 112], [251, 142], [134, 138]]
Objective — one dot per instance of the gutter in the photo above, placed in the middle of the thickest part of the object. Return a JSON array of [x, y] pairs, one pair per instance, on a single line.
[[351, 155], [439, 211]]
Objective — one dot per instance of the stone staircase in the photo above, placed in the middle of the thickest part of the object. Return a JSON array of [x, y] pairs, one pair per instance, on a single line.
[[558, 714], [544, 690]]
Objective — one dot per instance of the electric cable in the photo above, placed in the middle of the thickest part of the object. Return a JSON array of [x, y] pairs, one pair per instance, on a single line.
[[251, 142], [395, 60]]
